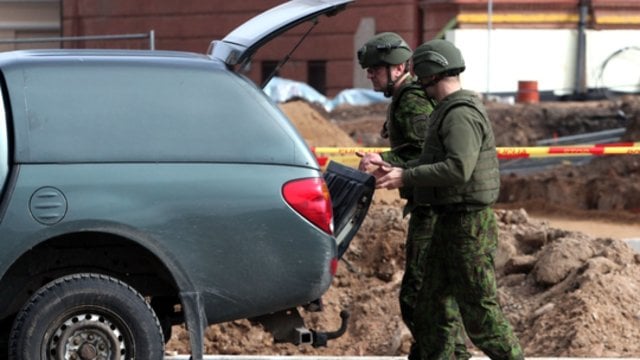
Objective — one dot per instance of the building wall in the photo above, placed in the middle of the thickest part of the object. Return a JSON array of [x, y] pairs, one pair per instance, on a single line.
[[548, 57], [23, 19], [526, 14], [191, 25]]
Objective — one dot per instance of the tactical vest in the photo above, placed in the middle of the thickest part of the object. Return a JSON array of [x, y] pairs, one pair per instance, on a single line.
[[483, 187]]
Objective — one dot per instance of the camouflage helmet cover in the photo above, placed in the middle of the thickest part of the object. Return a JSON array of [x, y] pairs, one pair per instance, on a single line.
[[437, 57], [386, 48]]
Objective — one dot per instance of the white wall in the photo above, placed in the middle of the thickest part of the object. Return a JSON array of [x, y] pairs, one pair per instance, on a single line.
[[622, 71], [547, 56]]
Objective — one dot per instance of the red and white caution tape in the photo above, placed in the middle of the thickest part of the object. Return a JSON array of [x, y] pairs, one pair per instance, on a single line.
[[347, 155]]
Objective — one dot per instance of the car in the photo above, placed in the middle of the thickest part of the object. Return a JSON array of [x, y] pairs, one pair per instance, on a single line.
[[143, 189]]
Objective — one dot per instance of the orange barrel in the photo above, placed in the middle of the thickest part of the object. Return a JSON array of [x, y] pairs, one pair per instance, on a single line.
[[528, 92]]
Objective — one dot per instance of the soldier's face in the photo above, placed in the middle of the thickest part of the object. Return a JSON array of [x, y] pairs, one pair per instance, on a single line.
[[378, 77]]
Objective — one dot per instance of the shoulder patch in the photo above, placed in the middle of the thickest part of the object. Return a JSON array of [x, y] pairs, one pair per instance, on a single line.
[[419, 124]]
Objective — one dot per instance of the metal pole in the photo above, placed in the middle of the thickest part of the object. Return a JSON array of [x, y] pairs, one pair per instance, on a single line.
[[75, 38], [489, 27], [580, 81], [152, 40]]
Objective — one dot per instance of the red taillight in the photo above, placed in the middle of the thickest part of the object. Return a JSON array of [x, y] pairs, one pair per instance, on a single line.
[[310, 197], [333, 266]]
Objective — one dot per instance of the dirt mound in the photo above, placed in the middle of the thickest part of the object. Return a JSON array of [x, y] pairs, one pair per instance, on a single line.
[[314, 126], [565, 293], [607, 186]]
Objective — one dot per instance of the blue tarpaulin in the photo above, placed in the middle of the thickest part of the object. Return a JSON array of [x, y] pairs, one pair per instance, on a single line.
[[282, 90]]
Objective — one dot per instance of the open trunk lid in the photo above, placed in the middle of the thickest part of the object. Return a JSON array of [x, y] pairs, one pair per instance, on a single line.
[[240, 44]]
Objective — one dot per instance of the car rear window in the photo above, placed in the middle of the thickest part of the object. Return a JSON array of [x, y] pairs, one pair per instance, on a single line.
[[145, 112]]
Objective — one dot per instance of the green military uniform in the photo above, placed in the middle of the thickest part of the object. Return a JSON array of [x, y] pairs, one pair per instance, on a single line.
[[407, 120], [458, 174], [405, 127]]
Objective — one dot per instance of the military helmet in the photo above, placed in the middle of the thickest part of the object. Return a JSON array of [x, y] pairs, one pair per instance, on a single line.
[[437, 57], [384, 49]]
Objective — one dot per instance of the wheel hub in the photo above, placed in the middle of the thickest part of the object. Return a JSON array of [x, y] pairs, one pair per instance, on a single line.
[[88, 336], [88, 351]]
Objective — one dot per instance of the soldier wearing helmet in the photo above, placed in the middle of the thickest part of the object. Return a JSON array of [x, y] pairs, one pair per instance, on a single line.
[[458, 174], [386, 58]]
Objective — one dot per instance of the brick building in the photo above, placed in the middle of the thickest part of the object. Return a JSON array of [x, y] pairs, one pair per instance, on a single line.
[[326, 59]]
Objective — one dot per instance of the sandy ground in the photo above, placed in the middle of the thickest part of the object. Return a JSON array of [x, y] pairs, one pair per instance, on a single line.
[[593, 228]]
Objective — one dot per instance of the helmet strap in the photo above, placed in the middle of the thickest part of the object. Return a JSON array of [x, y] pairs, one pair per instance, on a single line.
[[391, 84], [388, 92]]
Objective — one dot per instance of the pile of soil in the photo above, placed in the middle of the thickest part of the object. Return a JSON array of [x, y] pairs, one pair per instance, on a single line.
[[566, 293]]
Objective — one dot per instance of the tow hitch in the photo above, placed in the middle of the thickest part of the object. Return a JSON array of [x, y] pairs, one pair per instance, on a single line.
[[320, 338], [288, 326]]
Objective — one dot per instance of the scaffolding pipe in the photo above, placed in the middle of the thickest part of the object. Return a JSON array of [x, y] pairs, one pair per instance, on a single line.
[[580, 78], [150, 35]]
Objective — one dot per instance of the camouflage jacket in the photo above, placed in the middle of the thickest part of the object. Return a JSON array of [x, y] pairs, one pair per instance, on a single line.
[[406, 125]]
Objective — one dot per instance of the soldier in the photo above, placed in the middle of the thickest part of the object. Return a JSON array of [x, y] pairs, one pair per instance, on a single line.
[[458, 174], [386, 57]]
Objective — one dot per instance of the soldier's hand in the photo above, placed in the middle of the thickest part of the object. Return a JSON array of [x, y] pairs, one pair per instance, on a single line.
[[366, 163], [391, 180], [381, 164]]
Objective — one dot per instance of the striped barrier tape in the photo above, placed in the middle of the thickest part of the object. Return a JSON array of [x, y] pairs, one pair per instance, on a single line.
[[347, 155]]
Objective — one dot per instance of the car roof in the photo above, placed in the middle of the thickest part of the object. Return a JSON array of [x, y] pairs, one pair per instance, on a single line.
[[129, 56]]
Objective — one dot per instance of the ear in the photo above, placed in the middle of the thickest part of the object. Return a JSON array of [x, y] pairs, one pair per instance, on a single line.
[[399, 69]]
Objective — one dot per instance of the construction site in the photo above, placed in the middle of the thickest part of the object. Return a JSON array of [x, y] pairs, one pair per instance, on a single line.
[[568, 276], [560, 79]]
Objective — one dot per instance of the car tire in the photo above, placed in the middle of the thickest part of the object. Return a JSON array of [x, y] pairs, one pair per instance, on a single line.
[[86, 316]]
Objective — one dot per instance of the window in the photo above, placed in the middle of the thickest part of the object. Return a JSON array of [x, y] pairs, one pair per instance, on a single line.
[[151, 113], [317, 75]]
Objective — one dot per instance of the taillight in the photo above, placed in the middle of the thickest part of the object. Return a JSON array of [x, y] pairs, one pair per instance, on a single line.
[[333, 267], [310, 197]]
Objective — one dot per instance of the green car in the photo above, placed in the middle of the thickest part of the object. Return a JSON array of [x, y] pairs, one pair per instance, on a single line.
[[142, 189]]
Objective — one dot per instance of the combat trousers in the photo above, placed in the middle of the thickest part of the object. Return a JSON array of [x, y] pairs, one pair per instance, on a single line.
[[459, 268], [421, 225]]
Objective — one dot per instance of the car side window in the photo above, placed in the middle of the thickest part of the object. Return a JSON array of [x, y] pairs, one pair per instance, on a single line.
[[4, 145], [153, 113]]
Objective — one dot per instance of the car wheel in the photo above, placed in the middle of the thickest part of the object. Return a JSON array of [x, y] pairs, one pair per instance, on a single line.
[[86, 316]]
